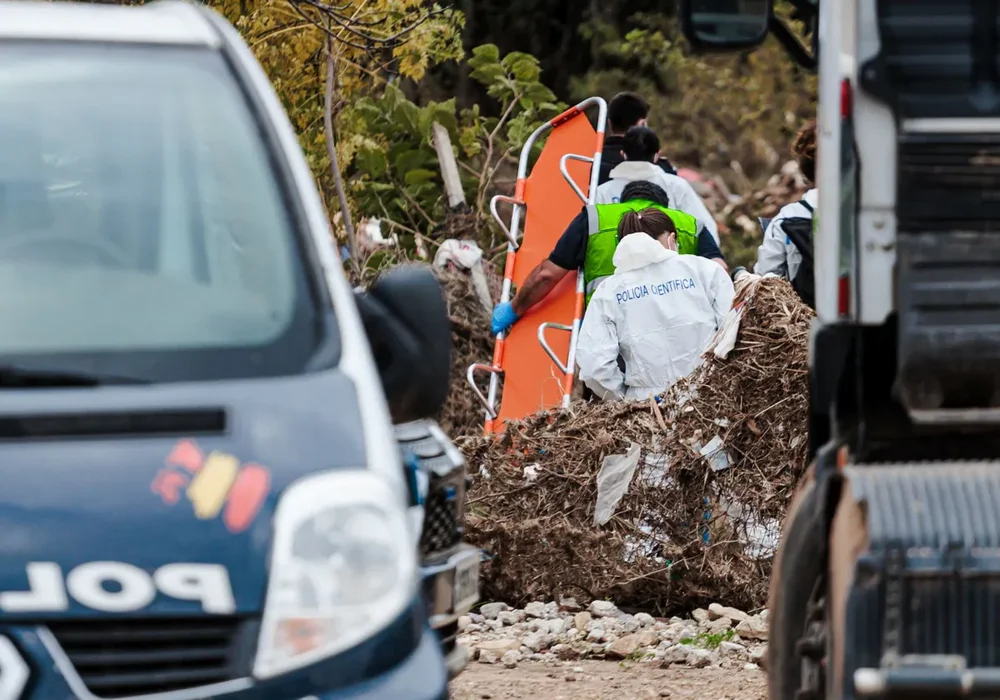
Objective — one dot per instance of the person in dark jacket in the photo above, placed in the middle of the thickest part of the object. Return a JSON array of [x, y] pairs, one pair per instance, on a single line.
[[625, 110]]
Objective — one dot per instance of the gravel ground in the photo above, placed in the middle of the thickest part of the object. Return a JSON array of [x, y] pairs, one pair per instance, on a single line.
[[607, 680], [552, 651]]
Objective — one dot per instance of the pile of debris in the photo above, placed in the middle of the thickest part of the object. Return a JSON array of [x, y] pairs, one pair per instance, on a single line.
[[565, 632], [659, 506], [736, 212], [470, 295]]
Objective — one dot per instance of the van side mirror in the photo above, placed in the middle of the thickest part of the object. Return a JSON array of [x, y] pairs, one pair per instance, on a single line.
[[725, 25], [406, 320]]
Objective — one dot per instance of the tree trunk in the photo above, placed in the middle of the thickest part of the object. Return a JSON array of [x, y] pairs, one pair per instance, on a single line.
[[331, 147]]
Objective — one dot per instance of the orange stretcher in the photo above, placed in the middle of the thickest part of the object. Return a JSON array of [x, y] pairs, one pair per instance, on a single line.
[[535, 378]]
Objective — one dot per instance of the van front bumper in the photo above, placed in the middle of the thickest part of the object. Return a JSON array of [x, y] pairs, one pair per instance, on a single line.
[[403, 662], [450, 589]]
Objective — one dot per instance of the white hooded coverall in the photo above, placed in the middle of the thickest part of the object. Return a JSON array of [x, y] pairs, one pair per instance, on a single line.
[[679, 191], [777, 254], [658, 310]]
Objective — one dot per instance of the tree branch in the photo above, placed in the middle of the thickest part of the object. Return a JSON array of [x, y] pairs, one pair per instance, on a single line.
[[331, 147]]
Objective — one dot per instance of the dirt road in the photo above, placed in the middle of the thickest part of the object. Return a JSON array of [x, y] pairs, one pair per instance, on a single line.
[[606, 680]]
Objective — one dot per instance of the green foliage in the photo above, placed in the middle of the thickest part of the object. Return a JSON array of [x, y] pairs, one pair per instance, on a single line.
[[394, 172], [709, 640], [709, 111], [290, 44]]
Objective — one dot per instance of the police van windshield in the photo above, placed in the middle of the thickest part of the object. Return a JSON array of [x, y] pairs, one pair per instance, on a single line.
[[143, 231]]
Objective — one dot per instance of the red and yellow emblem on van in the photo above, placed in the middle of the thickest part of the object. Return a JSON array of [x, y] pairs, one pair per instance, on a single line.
[[214, 483]]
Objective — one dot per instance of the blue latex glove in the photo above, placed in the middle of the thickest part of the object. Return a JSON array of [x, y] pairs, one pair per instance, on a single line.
[[503, 317]]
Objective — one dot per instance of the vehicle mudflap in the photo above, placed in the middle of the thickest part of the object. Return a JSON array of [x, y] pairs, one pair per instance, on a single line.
[[915, 581]]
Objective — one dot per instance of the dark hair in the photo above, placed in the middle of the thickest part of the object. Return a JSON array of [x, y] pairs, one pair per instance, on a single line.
[[644, 189], [625, 110], [804, 148], [641, 143], [650, 221]]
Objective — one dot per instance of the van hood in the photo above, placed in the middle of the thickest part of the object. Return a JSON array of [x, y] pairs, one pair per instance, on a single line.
[[88, 520]]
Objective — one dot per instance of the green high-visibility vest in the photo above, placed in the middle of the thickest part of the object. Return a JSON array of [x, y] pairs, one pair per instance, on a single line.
[[602, 222]]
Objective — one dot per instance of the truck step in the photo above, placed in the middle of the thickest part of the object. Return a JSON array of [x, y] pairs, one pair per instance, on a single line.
[[922, 611]]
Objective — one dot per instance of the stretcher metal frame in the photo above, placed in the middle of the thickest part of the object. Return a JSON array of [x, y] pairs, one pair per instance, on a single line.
[[518, 206]]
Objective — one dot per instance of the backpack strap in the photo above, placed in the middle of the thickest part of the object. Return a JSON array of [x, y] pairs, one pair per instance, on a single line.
[[807, 205]]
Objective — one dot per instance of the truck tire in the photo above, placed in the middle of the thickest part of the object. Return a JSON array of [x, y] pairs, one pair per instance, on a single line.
[[798, 566]]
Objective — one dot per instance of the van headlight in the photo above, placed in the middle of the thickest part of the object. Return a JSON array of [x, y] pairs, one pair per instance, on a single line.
[[343, 566]]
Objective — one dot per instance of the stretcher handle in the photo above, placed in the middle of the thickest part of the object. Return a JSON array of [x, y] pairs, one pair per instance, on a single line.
[[570, 180], [545, 346], [470, 376], [496, 216]]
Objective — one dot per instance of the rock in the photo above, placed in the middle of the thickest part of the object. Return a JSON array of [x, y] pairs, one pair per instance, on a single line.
[[676, 654], [759, 656], [463, 623], [499, 646], [604, 608], [488, 657], [764, 616], [715, 611], [751, 667], [537, 625], [491, 610], [624, 647], [752, 628], [537, 641], [556, 627], [510, 658], [674, 630], [509, 618], [684, 635], [645, 619], [719, 626], [629, 624], [596, 634], [569, 605], [701, 658], [648, 638], [699, 615], [581, 620], [535, 609], [732, 650], [476, 618], [565, 652]]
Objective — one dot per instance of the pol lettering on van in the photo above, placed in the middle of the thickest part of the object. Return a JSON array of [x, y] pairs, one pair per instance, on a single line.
[[135, 589]]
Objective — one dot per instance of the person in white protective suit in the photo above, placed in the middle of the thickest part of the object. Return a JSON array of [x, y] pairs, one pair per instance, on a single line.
[[777, 253], [658, 311], [641, 150]]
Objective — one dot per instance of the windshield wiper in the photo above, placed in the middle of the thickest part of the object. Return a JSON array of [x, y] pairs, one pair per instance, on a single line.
[[12, 376]]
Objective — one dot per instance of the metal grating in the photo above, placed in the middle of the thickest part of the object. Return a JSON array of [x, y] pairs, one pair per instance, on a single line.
[[949, 182], [443, 513], [938, 58]]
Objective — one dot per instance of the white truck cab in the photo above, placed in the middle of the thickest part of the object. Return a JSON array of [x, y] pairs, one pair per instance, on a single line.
[[885, 583]]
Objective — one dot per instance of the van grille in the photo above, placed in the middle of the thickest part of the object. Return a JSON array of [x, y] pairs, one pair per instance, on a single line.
[[443, 515], [124, 658]]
